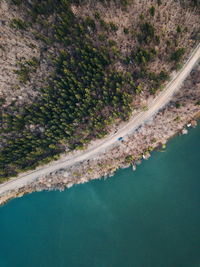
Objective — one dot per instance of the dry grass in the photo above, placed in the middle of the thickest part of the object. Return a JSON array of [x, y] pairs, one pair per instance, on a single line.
[[16, 47]]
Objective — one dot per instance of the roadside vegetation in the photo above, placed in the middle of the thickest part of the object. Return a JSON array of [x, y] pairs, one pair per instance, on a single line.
[[94, 81]]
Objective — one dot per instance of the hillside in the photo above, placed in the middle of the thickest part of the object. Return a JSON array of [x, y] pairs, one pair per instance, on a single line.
[[70, 70]]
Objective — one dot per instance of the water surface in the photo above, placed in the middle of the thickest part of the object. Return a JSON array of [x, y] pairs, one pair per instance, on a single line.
[[147, 218]]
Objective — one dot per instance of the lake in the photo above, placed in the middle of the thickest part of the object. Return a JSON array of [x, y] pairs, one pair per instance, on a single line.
[[146, 218]]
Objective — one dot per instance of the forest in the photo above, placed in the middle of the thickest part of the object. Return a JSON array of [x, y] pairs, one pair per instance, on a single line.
[[85, 93]]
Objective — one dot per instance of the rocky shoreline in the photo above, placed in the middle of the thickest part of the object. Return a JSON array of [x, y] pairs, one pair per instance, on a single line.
[[179, 115]]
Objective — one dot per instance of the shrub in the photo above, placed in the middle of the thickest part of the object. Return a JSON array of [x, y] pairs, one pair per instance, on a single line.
[[126, 31], [129, 159], [177, 55], [113, 26], [97, 15], [147, 33], [90, 22], [152, 11], [159, 2], [178, 29], [19, 24]]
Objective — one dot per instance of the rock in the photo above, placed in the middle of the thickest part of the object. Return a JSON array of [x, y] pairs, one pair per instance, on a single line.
[[184, 131], [134, 167], [138, 162], [193, 123]]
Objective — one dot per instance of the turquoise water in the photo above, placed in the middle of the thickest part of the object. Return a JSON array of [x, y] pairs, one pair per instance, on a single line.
[[147, 218]]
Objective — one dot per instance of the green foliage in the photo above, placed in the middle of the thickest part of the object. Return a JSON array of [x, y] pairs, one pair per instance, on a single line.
[[177, 118], [178, 29], [129, 159], [156, 80], [143, 56], [42, 38], [126, 31], [2, 101], [112, 43], [144, 107], [159, 2], [46, 7], [168, 43], [97, 15], [26, 68], [23, 73], [153, 140], [113, 26], [90, 23], [163, 76], [177, 55], [196, 2], [142, 16], [18, 24], [157, 39], [147, 33], [152, 11], [33, 62], [103, 24], [125, 2], [102, 37], [178, 104], [16, 2], [2, 47], [139, 89]]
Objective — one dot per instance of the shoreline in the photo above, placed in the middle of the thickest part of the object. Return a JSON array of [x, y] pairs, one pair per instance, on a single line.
[[31, 188], [162, 127]]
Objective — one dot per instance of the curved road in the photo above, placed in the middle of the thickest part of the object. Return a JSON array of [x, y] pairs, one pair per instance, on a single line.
[[159, 102]]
